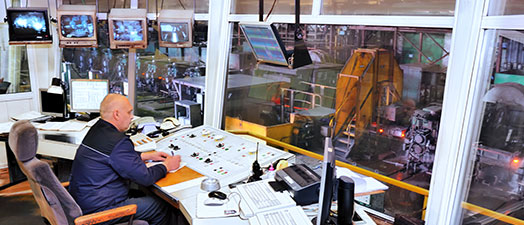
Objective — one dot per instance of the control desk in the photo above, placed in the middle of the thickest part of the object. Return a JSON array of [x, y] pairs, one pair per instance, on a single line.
[[219, 154]]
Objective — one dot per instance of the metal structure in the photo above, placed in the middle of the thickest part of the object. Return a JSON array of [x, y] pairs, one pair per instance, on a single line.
[[358, 93]]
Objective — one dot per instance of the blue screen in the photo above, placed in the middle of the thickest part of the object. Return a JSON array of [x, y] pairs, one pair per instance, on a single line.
[[128, 30], [77, 26], [265, 44], [29, 23]]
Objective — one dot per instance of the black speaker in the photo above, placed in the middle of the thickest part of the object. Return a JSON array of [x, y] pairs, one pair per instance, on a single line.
[[346, 196]]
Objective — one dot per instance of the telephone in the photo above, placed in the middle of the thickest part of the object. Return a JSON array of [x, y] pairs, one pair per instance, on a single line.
[[169, 123], [137, 125]]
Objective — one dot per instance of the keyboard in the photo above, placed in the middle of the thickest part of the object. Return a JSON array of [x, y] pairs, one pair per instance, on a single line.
[[286, 216], [260, 197]]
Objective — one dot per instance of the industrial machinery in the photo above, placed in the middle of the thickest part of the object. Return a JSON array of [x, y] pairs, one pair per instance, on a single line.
[[421, 138], [499, 158], [370, 79]]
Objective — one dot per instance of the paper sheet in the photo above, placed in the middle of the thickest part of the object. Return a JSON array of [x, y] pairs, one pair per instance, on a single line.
[[28, 116], [5, 127], [363, 184], [70, 125], [182, 164]]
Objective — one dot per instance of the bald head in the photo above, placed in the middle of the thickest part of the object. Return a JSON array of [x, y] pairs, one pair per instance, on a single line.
[[117, 110]]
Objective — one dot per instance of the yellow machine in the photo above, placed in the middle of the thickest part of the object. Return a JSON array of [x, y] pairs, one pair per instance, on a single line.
[[370, 79]]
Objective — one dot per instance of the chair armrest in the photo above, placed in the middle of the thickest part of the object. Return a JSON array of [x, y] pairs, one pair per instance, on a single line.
[[106, 215]]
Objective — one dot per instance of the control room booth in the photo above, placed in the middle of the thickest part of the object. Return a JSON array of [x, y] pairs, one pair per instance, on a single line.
[[262, 112]]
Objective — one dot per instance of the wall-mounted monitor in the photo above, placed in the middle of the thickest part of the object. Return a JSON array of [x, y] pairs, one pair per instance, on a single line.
[[28, 26], [127, 28], [266, 43], [175, 28], [86, 95], [77, 26]]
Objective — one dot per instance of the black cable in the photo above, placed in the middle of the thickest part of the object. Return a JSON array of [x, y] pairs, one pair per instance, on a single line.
[[271, 10]]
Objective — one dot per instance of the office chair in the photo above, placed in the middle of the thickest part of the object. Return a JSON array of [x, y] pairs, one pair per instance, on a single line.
[[4, 86], [57, 206]]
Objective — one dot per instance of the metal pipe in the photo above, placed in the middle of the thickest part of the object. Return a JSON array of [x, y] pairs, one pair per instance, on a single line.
[[260, 10]]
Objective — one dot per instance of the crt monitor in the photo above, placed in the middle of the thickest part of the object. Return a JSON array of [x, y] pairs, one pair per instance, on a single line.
[[175, 28], [77, 26], [52, 104], [266, 43], [28, 26], [127, 28], [87, 94], [327, 184]]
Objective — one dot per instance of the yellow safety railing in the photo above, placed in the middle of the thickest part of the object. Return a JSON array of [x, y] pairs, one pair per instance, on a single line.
[[492, 214], [385, 179]]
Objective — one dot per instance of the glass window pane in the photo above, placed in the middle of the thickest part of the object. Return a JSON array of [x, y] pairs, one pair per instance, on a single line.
[[200, 6], [281, 7], [389, 7], [496, 181], [506, 7], [171, 81], [14, 69], [387, 120]]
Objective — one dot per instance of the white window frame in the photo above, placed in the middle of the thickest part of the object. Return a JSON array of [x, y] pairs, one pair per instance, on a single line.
[[464, 82]]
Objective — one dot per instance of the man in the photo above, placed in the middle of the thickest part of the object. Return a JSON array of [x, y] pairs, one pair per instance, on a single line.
[[106, 162]]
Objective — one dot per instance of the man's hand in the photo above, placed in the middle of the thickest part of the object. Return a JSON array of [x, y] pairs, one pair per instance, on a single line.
[[155, 156], [172, 162]]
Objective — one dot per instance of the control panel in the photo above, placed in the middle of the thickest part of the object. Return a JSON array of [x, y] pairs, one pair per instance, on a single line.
[[219, 154]]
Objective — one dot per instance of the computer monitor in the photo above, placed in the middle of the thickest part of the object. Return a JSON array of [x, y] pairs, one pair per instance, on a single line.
[[175, 28], [327, 184], [86, 95], [28, 26], [77, 26], [265, 41], [127, 28], [52, 104]]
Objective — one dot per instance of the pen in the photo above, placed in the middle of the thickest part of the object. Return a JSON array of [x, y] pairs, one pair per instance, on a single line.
[[172, 153]]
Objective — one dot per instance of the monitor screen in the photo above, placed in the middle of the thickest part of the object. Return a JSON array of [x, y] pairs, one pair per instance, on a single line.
[[52, 104], [265, 42], [327, 183], [86, 95], [128, 30], [174, 32], [28, 24], [77, 26]]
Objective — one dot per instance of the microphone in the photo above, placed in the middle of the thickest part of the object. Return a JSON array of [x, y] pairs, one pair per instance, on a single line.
[[257, 170]]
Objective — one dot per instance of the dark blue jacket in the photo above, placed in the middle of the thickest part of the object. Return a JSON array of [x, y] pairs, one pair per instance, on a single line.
[[104, 164]]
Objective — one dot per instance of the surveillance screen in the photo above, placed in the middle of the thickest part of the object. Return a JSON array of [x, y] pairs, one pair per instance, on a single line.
[[264, 43], [128, 30], [174, 32], [29, 23], [77, 26]]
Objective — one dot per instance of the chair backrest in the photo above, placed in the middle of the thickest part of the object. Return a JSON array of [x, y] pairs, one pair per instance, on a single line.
[[56, 204]]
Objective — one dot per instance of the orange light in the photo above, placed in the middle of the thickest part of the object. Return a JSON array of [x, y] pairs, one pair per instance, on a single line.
[[381, 130], [143, 74], [403, 134], [516, 161], [160, 78]]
